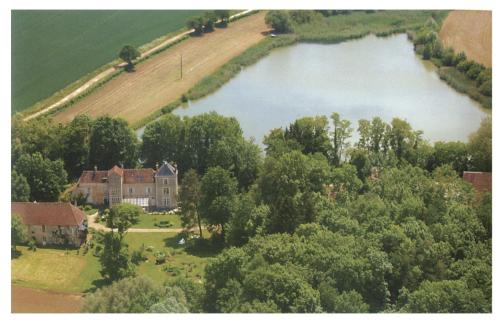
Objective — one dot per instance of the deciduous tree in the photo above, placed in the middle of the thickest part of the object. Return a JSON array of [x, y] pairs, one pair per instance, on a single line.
[[128, 54], [46, 178], [112, 142]]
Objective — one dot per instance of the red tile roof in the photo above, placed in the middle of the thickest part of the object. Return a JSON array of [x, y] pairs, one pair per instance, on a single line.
[[480, 180], [129, 175], [138, 175], [93, 176], [48, 213]]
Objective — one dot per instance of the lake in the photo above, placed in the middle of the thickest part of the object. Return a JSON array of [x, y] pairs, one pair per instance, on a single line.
[[359, 79]]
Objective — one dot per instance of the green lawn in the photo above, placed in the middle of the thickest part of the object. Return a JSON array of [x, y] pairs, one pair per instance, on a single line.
[[149, 221], [53, 48], [180, 261], [73, 271], [55, 269]]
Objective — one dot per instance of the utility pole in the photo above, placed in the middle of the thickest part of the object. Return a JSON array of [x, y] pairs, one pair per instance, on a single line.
[[181, 66]]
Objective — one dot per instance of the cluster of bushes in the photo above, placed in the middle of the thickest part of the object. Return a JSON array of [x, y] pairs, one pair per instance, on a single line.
[[283, 21], [206, 22], [138, 256], [427, 43]]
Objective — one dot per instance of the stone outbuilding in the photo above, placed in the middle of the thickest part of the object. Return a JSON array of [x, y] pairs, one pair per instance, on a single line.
[[52, 223]]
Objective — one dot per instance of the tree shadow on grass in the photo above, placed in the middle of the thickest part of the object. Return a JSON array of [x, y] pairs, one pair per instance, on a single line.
[[220, 24], [15, 253], [97, 284], [199, 247], [173, 242]]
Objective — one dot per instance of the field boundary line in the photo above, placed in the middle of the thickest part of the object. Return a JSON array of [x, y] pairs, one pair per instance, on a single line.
[[110, 72]]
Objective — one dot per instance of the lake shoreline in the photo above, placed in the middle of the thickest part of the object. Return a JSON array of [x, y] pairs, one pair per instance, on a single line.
[[253, 54]]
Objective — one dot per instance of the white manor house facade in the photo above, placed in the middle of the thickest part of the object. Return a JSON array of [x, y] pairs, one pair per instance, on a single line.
[[148, 188]]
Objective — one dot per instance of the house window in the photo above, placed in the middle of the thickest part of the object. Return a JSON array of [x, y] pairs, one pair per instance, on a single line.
[[131, 190], [43, 228], [148, 190], [166, 202], [88, 190], [166, 191], [44, 239], [165, 181]]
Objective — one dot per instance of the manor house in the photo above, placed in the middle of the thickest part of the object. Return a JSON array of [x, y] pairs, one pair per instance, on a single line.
[[148, 188]]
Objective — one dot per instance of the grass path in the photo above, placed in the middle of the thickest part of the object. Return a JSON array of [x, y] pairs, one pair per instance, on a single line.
[[110, 71]]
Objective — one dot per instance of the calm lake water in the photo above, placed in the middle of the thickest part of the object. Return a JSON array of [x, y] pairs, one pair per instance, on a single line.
[[359, 79]]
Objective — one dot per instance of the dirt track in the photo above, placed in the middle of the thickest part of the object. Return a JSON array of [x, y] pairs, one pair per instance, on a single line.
[[30, 300], [469, 31], [157, 82]]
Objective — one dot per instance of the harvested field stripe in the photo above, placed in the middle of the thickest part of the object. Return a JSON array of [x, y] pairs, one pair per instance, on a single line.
[[156, 81], [110, 72]]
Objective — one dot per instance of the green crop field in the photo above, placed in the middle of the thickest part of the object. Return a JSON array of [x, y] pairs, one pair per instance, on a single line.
[[51, 49]]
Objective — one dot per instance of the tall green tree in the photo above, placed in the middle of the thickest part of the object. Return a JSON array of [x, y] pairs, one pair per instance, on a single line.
[[248, 220], [112, 142], [339, 136], [190, 198], [480, 147], [162, 140], [123, 216], [128, 54], [311, 133], [291, 185], [277, 144], [401, 137], [223, 15], [39, 134], [454, 153], [46, 178], [241, 157], [18, 232], [20, 189], [203, 131], [114, 258], [280, 21], [76, 145], [218, 189]]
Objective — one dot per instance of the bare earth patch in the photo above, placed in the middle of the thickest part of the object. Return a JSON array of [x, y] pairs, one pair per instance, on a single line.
[[469, 31], [156, 82], [30, 300]]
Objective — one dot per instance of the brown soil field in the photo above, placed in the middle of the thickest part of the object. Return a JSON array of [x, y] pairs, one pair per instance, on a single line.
[[30, 300], [156, 82], [469, 31]]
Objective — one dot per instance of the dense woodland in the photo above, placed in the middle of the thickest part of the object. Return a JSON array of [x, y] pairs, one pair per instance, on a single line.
[[317, 223]]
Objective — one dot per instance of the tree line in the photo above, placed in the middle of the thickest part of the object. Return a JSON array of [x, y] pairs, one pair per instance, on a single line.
[[207, 22]]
